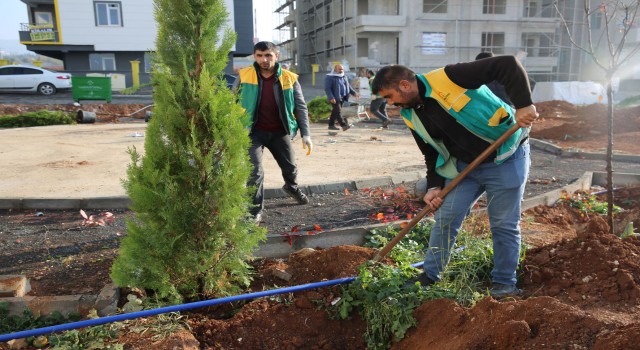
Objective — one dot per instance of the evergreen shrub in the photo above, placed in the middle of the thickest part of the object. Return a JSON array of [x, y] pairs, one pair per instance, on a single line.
[[319, 109], [191, 236]]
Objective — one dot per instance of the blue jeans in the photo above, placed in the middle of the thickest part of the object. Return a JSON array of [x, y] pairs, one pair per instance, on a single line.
[[504, 184]]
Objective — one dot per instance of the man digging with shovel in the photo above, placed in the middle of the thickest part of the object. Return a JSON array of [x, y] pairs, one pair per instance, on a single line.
[[454, 117]]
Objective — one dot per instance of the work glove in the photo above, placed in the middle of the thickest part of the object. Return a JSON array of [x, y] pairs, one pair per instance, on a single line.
[[307, 144]]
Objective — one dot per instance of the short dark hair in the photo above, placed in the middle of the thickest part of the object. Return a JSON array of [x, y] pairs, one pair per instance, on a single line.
[[389, 77], [485, 54], [265, 46], [369, 71]]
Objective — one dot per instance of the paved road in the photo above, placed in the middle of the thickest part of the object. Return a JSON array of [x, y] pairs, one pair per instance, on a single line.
[[65, 97], [142, 96]]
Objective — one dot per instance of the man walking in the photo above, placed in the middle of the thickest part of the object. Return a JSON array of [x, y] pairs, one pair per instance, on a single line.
[[338, 89], [453, 117], [378, 104], [275, 106]]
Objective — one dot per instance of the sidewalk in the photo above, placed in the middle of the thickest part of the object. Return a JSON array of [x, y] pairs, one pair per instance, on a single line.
[[69, 166]]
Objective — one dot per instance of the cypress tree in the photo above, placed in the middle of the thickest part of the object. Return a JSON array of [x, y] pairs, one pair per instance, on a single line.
[[191, 235]]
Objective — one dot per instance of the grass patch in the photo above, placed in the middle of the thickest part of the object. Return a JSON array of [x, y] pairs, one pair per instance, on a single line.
[[39, 118], [133, 89]]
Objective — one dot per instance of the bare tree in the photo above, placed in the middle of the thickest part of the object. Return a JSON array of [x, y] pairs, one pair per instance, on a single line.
[[605, 44]]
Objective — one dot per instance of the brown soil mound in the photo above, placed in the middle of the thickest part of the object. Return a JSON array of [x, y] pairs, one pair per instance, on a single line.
[[536, 323], [586, 127]]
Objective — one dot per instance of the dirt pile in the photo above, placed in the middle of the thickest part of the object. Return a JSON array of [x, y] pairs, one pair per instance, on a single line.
[[586, 127]]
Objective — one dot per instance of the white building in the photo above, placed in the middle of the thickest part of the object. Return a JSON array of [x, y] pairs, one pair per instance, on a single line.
[[92, 36], [427, 34]]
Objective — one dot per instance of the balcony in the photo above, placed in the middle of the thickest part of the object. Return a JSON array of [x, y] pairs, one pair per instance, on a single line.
[[380, 23], [38, 34], [540, 64]]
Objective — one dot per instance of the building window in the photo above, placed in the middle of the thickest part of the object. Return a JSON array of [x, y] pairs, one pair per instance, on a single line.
[[43, 17], [493, 42], [530, 8], [327, 13], [108, 14], [493, 7], [328, 47], [102, 62], [434, 43], [149, 61], [434, 6], [596, 20]]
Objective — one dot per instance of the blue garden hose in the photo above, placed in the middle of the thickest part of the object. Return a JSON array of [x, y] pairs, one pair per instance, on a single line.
[[173, 308]]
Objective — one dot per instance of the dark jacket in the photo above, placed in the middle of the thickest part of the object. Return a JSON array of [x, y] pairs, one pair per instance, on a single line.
[[337, 87], [291, 99], [459, 141]]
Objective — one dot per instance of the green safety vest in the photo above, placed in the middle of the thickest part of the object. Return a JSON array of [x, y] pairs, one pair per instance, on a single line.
[[249, 90], [479, 111]]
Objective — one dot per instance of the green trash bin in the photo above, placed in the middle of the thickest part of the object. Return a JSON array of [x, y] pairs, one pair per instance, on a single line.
[[91, 88]]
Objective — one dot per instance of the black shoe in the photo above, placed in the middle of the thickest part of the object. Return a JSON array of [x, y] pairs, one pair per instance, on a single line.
[[333, 127], [346, 127], [296, 194], [498, 290], [385, 124], [424, 280]]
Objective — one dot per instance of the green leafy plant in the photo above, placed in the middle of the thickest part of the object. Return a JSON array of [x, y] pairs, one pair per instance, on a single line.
[[587, 204], [386, 298], [410, 248], [380, 296], [39, 118], [14, 323], [319, 108], [97, 337], [133, 89], [192, 234]]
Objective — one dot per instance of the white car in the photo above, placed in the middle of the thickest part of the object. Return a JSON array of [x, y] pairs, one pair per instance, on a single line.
[[17, 78]]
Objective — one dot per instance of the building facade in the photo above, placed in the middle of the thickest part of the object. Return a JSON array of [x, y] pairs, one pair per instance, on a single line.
[[104, 37], [428, 34]]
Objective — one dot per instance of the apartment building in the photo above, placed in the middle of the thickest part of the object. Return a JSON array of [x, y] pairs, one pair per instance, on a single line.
[[92, 36], [427, 34]]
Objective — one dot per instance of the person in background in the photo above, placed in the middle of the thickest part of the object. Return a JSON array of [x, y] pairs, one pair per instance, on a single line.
[[275, 106], [495, 86], [454, 117], [338, 89], [378, 104]]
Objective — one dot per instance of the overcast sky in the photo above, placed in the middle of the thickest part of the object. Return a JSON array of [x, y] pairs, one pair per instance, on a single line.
[[14, 12]]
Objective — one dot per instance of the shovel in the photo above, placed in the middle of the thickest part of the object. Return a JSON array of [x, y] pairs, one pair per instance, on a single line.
[[385, 250]]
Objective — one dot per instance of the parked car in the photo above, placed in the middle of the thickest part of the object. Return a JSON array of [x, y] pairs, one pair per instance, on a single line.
[[16, 78]]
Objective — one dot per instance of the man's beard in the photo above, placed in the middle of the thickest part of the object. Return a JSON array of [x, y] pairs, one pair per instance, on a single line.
[[411, 99]]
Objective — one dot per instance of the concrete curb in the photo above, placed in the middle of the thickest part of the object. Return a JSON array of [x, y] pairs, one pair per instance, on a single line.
[[123, 202], [105, 303], [281, 245], [553, 149]]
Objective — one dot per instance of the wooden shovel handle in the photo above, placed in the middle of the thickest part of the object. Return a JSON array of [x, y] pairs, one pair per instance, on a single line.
[[426, 210]]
